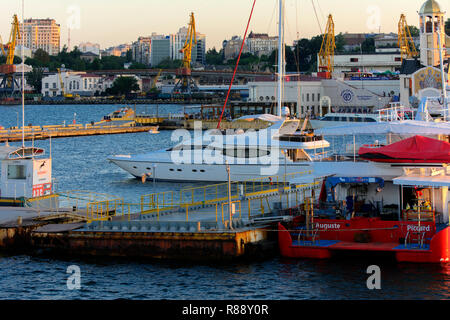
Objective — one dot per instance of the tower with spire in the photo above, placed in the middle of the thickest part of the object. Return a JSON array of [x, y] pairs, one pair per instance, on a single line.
[[431, 25]]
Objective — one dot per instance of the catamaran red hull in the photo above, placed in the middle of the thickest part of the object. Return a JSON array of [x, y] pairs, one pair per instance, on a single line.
[[385, 236]]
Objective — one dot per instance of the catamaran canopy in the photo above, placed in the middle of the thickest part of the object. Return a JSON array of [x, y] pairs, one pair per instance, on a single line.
[[416, 149], [415, 180], [407, 127]]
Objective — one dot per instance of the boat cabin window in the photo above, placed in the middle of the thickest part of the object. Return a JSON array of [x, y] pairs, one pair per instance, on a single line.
[[16, 172], [245, 153], [191, 147], [369, 120]]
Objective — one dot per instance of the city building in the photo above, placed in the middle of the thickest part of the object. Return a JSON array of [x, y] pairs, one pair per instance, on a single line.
[[77, 83], [312, 93], [199, 50], [357, 62], [86, 47], [118, 51], [261, 44], [353, 41], [160, 49], [89, 56], [177, 42], [141, 50], [41, 34], [232, 47]]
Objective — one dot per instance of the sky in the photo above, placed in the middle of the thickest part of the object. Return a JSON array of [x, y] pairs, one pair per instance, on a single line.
[[113, 22]]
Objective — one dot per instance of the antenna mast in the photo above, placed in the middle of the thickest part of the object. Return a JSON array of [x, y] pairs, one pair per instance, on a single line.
[[280, 57]]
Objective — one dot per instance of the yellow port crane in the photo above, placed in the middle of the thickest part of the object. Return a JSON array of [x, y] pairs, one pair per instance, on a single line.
[[405, 41], [9, 85], [185, 83], [63, 90], [155, 81], [326, 53]]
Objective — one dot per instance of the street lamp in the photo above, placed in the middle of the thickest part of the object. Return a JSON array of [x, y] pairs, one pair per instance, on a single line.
[[229, 195]]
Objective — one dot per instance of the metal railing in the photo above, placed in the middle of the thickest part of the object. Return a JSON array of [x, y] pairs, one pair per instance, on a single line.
[[398, 113], [205, 200]]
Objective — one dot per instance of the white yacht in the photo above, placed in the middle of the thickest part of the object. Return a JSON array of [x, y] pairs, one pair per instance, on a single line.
[[350, 119], [276, 151], [340, 119]]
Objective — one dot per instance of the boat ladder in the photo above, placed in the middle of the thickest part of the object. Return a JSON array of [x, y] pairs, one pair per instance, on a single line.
[[415, 238], [308, 237]]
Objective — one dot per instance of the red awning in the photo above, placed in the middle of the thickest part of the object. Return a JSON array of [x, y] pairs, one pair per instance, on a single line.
[[416, 149]]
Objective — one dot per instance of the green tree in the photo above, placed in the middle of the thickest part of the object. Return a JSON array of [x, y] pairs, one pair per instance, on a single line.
[[368, 45], [137, 65], [213, 57], [169, 64], [112, 63], [415, 32], [42, 57], [124, 85], [34, 78], [340, 43], [305, 54], [447, 26]]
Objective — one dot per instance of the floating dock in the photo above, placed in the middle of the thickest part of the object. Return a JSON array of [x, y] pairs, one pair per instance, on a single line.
[[47, 132], [193, 224]]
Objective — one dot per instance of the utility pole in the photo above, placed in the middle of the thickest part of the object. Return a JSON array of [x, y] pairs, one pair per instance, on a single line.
[[230, 213]]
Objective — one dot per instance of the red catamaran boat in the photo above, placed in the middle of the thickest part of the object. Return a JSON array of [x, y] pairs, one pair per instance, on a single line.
[[407, 217]]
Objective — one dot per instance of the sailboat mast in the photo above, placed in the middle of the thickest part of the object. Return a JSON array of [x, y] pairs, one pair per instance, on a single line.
[[444, 83], [280, 57], [23, 77]]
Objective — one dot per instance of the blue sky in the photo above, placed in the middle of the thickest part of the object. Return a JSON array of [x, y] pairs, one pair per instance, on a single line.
[[111, 22]]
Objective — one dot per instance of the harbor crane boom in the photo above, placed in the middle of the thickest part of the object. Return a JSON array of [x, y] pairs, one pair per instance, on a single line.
[[405, 41], [326, 53], [9, 85], [186, 84]]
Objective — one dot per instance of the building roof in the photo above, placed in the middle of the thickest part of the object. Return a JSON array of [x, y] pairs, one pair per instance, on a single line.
[[409, 66], [431, 6], [89, 54]]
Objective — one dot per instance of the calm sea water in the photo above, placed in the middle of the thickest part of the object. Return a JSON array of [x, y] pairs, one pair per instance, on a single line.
[[80, 164]]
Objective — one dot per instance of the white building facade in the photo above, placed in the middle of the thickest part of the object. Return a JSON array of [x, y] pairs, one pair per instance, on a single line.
[[357, 62], [77, 83]]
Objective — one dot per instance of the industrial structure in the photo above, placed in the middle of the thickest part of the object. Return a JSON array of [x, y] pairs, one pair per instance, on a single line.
[[326, 54], [186, 84], [405, 40], [9, 87]]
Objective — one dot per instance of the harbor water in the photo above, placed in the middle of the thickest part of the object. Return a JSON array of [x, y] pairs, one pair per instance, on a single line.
[[80, 164]]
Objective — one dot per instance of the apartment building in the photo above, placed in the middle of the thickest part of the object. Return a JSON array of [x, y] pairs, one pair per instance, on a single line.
[[41, 34]]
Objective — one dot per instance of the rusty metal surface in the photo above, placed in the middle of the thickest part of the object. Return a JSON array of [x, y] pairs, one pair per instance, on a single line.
[[58, 228], [158, 245]]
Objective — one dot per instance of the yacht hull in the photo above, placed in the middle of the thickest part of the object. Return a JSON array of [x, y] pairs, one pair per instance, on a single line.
[[168, 171]]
